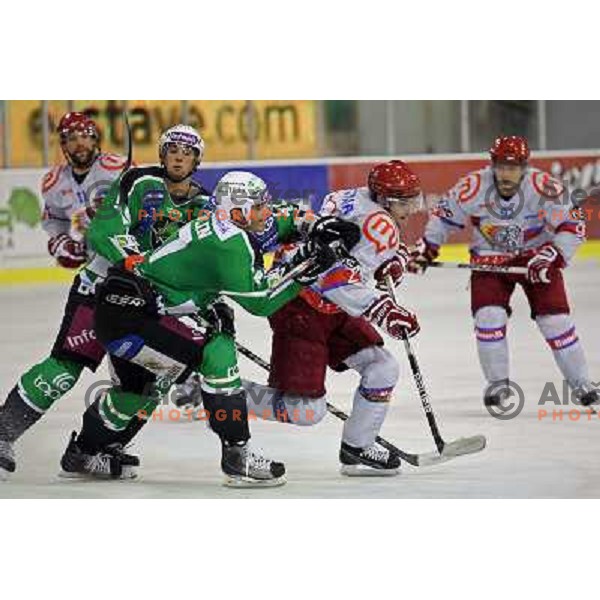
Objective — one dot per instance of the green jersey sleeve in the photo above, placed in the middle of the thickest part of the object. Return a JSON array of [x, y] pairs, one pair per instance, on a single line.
[[111, 231], [291, 220]]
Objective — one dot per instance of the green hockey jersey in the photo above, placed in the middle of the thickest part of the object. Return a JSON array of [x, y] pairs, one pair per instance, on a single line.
[[138, 214], [212, 256]]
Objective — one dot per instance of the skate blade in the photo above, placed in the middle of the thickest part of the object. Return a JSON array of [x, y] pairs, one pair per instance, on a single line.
[[460, 447], [366, 471], [247, 482], [4, 474], [89, 477]]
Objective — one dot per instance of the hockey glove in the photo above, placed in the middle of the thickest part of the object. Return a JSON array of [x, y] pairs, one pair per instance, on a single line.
[[394, 267], [220, 318], [319, 258], [421, 256], [539, 268], [395, 320], [69, 253], [331, 231]]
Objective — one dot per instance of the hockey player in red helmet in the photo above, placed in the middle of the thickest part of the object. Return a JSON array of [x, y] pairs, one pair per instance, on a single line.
[[522, 217], [332, 322], [509, 156], [79, 140]]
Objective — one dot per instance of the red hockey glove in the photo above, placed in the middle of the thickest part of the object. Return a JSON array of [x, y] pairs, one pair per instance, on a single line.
[[539, 268], [421, 256], [69, 253], [393, 319], [395, 268]]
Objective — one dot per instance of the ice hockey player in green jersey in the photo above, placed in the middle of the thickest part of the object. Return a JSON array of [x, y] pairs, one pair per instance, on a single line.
[[143, 207], [210, 257]]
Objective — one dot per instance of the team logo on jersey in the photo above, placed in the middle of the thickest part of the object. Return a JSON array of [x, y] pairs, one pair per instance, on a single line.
[[508, 238], [50, 179], [381, 231], [468, 188], [547, 187]]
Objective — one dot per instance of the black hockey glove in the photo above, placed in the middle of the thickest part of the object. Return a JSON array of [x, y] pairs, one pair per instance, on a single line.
[[220, 318], [319, 258], [332, 231]]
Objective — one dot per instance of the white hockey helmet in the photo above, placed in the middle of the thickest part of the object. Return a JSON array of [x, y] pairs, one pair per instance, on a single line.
[[183, 135], [237, 192]]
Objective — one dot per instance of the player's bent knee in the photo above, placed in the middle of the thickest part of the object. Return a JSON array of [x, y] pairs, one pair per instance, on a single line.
[[379, 372], [300, 410]]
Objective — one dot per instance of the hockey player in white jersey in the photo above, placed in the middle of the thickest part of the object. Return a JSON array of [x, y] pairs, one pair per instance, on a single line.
[[520, 216], [331, 323], [72, 191]]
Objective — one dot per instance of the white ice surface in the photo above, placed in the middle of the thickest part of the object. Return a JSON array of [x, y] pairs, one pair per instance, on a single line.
[[524, 458]]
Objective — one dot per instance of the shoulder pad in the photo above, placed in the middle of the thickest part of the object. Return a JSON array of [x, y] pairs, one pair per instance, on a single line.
[[545, 185], [468, 187], [132, 175], [50, 178], [112, 162]]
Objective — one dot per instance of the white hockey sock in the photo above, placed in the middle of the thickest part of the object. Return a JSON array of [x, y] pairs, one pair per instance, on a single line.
[[365, 421], [492, 345], [379, 374], [560, 333], [270, 404]]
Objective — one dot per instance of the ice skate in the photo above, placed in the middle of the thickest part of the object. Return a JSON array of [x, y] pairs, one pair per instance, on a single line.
[[113, 463], [245, 466], [372, 461]]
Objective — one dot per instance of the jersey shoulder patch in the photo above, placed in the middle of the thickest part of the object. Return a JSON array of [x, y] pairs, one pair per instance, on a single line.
[[112, 162], [329, 205], [545, 185], [468, 187], [50, 179]]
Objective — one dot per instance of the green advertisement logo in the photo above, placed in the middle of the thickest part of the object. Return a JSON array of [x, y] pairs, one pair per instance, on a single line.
[[22, 206]]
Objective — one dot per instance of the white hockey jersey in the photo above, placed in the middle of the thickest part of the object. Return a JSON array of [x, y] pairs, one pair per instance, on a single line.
[[353, 289], [540, 212], [64, 198]]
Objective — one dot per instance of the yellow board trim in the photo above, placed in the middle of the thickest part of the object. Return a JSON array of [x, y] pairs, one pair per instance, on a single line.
[[450, 252]]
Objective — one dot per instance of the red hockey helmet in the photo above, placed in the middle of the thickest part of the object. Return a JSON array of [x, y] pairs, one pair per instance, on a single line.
[[511, 149], [76, 121], [394, 179]]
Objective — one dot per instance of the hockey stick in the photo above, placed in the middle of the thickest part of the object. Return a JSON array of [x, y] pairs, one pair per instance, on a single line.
[[485, 268], [416, 460], [277, 288], [129, 143], [446, 450]]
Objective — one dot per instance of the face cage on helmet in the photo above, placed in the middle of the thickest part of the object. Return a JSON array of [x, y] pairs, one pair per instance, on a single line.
[[385, 201]]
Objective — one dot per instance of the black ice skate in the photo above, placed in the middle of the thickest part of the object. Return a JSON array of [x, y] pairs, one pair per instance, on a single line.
[[372, 461], [496, 393], [590, 398], [247, 467], [7, 459], [113, 463]]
